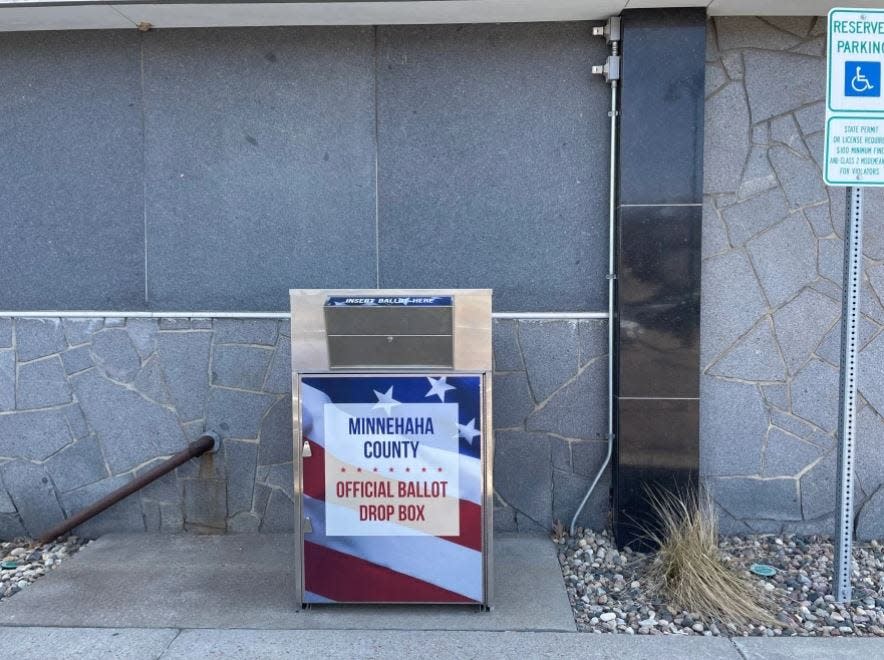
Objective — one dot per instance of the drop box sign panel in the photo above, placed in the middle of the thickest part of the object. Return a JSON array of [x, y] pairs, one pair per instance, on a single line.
[[854, 153], [393, 487]]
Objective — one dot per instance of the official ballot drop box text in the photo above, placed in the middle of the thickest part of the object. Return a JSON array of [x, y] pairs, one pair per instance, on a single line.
[[391, 404]]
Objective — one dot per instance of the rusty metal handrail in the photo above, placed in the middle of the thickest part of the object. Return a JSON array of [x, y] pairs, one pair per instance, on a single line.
[[196, 448]]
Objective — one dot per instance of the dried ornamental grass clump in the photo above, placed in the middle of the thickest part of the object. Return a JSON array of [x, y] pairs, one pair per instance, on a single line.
[[688, 569]]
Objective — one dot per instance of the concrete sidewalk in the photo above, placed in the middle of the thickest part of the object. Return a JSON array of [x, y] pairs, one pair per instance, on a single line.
[[246, 581], [25, 643], [149, 596]]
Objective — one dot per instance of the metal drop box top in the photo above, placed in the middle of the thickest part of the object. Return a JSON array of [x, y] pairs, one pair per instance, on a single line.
[[389, 331], [370, 329], [393, 446]]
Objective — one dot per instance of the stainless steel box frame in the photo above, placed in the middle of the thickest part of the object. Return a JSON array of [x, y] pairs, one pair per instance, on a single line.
[[472, 356]]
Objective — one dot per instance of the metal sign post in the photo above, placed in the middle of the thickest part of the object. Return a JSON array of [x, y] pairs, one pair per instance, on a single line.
[[847, 394], [854, 157]]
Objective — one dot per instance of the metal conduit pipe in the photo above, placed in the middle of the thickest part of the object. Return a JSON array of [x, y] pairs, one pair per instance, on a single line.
[[205, 443], [613, 61]]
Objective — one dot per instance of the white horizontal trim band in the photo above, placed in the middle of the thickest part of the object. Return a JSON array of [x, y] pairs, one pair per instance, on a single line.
[[640, 206], [659, 398], [90, 314], [550, 315]]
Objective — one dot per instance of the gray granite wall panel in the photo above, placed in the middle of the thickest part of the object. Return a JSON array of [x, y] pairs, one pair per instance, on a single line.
[[493, 152], [71, 222], [259, 164], [216, 168]]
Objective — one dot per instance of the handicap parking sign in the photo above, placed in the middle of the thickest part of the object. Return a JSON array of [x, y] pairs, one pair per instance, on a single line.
[[854, 138], [862, 78]]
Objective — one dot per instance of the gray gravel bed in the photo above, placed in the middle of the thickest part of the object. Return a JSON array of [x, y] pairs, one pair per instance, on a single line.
[[24, 562], [609, 592]]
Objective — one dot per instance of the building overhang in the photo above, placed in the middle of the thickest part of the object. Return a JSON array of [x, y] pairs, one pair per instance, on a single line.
[[18, 15]]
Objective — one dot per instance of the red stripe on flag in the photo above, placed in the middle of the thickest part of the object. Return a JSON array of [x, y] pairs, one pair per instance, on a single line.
[[343, 577], [470, 526]]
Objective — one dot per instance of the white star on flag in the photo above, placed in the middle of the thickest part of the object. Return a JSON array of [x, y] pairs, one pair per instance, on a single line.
[[438, 387], [385, 400], [468, 431]]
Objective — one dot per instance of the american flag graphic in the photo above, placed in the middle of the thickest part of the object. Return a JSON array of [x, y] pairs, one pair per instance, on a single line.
[[395, 561]]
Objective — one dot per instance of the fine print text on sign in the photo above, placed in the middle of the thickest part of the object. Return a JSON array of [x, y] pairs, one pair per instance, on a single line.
[[382, 301], [854, 100]]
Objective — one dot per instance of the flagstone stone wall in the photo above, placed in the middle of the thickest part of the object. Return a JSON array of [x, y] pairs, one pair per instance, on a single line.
[[88, 404], [772, 262]]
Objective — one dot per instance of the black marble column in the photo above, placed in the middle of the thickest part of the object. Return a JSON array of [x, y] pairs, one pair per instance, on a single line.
[[659, 217]]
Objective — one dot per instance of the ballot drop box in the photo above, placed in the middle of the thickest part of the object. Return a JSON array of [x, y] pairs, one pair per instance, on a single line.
[[391, 404]]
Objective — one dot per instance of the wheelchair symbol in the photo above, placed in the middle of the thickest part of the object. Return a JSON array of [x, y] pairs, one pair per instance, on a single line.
[[860, 83], [862, 79]]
